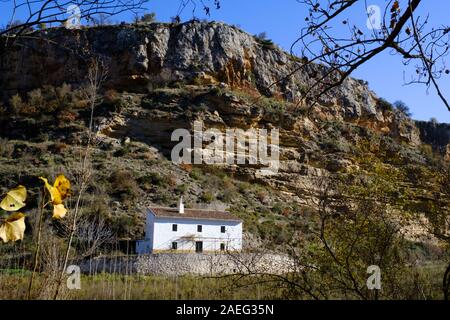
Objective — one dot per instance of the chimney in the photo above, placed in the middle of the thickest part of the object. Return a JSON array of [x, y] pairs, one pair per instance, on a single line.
[[181, 206]]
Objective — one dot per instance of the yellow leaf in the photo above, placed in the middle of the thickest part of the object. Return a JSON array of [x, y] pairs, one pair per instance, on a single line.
[[14, 199], [54, 192], [62, 185], [13, 228], [58, 192], [59, 211]]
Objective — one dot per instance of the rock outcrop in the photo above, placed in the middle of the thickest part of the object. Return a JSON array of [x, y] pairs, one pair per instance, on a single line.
[[140, 58], [436, 134]]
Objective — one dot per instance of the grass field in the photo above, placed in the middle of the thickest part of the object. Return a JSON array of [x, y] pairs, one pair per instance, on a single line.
[[113, 286], [14, 284]]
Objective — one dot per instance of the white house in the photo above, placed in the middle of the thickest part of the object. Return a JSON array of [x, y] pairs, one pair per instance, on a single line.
[[190, 230]]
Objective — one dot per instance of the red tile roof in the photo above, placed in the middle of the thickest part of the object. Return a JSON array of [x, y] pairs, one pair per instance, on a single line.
[[193, 214]]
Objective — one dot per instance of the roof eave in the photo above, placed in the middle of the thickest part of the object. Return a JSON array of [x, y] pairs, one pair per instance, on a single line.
[[197, 218], [156, 215]]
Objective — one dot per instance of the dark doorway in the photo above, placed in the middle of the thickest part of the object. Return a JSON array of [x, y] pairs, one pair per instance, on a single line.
[[198, 246]]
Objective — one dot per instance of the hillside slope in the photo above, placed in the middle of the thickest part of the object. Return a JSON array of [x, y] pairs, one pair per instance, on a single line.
[[163, 77]]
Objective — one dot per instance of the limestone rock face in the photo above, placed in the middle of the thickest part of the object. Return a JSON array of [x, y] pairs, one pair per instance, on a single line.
[[142, 57]]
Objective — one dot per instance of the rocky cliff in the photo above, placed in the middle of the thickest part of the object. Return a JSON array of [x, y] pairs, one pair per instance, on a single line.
[[162, 77], [144, 57]]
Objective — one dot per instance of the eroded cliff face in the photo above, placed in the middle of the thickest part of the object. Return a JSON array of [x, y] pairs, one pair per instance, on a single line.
[[141, 58]]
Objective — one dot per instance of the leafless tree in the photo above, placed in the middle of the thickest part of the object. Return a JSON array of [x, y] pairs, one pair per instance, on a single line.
[[41, 12], [92, 233], [205, 5], [330, 250], [97, 74], [51, 262], [331, 38]]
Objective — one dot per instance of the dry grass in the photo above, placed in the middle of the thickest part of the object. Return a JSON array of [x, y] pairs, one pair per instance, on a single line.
[[13, 285]]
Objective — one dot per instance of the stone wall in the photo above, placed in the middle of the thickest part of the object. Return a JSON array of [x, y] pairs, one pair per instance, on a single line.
[[188, 263], [211, 264]]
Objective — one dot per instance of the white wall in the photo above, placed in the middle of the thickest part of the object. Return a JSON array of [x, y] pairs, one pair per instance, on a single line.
[[146, 245], [159, 234]]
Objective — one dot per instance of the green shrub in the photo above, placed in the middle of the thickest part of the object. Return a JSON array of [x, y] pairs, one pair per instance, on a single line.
[[278, 208], [121, 225], [336, 144], [196, 174], [181, 188], [35, 99], [229, 193], [403, 108], [154, 179], [147, 18], [262, 195], [384, 105], [16, 104], [244, 187], [124, 185], [262, 39], [207, 196], [6, 148], [122, 152], [163, 198]]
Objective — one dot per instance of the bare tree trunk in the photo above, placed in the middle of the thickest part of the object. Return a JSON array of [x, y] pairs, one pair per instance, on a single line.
[[97, 74], [38, 245]]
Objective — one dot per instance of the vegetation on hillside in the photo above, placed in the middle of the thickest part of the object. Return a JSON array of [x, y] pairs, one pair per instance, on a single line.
[[381, 186]]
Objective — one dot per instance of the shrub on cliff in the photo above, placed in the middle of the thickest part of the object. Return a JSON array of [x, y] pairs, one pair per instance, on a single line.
[[148, 18], [384, 105], [124, 186], [16, 104], [402, 107]]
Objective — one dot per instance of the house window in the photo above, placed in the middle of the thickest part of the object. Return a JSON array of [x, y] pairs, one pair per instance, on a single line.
[[222, 229], [222, 247], [199, 228], [174, 245], [174, 227]]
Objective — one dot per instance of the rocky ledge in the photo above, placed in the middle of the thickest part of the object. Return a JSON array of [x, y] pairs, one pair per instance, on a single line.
[[140, 58]]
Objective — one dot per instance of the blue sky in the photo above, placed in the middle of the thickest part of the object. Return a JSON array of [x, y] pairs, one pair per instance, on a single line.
[[282, 20]]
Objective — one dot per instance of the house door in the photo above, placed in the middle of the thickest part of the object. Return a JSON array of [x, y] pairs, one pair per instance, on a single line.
[[199, 246]]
